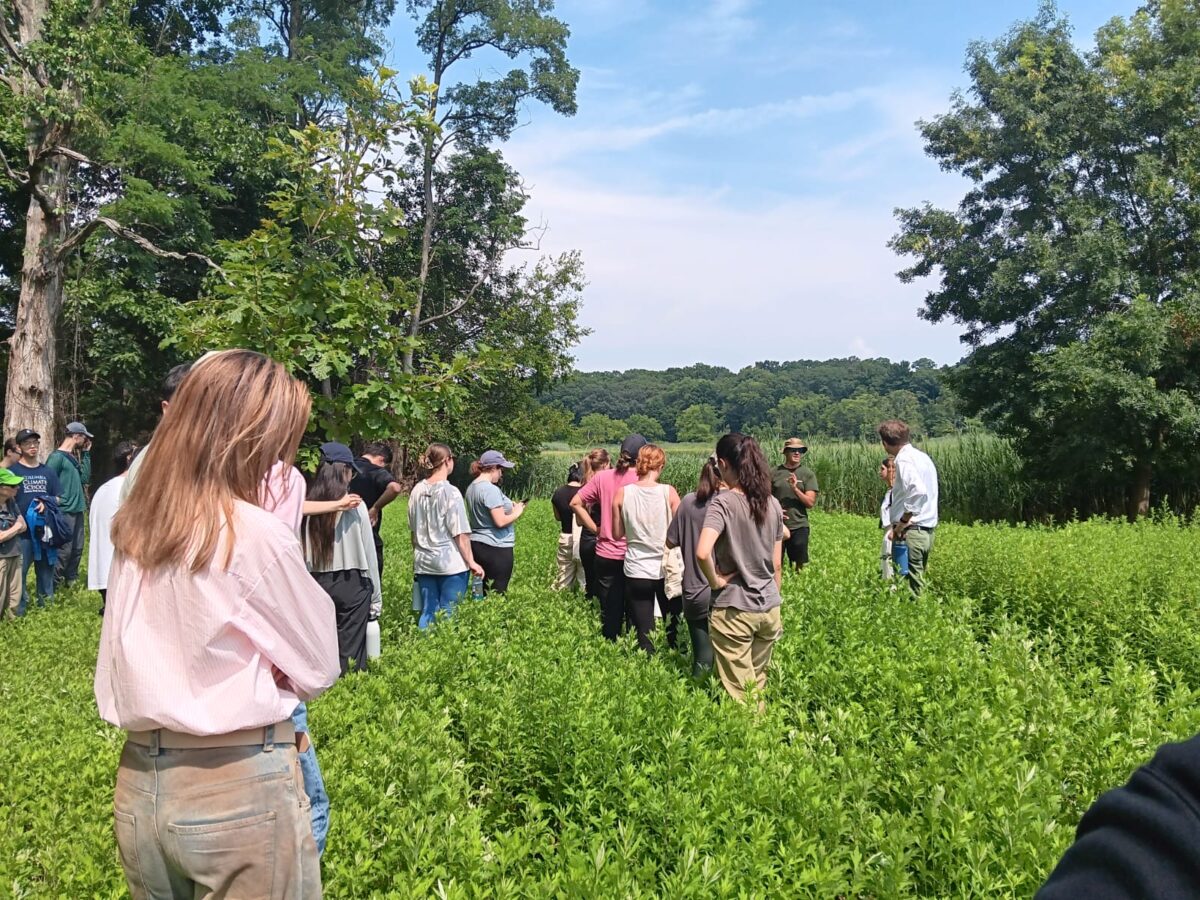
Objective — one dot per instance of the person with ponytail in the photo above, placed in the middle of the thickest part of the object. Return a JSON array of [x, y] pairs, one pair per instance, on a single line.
[[594, 463], [340, 552], [740, 552], [610, 550], [641, 513], [684, 533], [212, 632], [493, 515], [441, 536]]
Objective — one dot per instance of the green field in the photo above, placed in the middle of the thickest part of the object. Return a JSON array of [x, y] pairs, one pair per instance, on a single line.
[[930, 748]]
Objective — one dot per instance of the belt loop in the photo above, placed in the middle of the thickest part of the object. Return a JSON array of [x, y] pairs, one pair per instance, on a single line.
[[155, 736], [268, 738]]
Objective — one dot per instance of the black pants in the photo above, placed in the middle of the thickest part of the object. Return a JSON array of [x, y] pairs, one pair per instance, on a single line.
[[497, 565], [103, 592], [70, 554], [587, 556], [797, 547], [610, 588], [351, 594], [378, 551], [640, 594]]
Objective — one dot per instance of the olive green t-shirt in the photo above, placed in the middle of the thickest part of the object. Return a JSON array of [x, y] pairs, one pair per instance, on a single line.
[[795, 513], [70, 479]]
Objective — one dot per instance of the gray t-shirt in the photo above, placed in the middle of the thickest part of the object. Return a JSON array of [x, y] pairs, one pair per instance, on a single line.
[[482, 498], [436, 517], [684, 533], [745, 551]]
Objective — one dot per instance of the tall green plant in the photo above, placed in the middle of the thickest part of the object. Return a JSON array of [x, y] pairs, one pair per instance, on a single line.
[[302, 289]]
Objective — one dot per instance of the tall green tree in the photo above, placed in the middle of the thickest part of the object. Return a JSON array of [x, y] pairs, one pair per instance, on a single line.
[[1075, 247], [302, 288], [473, 114]]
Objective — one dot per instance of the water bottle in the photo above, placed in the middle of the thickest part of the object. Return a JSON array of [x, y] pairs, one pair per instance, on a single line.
[[373, 639], [477, 587], [900, 556]]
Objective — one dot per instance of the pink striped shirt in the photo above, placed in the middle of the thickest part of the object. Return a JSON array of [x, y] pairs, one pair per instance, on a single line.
[[217, 650]]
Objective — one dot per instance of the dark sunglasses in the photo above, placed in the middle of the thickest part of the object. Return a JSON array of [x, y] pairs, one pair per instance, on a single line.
[[795, 450]]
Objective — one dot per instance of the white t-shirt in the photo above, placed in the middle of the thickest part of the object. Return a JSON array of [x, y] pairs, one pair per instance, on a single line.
[[436, 516], [105, 503], [646, 512]]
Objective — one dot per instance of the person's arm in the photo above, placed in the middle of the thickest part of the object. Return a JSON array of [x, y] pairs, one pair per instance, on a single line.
[[17, 527], [673, 499], [290, 619], [390, 493], [777, 557], [618, 518], [807, 497], [673, 531], [587, 494], [503, 519], [464, 547], [706, 561], [325, 507], [915, 495]]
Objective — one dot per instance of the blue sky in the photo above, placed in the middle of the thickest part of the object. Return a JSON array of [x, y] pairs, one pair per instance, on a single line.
[[731, 173]]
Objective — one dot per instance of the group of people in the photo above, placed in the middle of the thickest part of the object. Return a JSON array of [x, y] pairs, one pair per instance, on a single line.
[[42, 511], [624, 536]]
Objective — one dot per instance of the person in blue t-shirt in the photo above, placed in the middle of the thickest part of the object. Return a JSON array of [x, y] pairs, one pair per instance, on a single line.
[[39, 481], [492, 516]]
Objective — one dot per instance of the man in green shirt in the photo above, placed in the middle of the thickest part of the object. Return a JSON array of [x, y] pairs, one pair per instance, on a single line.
[[795, 487], [67, 465]]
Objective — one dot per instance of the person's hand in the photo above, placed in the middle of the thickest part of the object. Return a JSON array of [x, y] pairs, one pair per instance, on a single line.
[[349, 502], [721, 582], [476, 570], [373, 515], [39, 506], [518, 508], [792, 481]]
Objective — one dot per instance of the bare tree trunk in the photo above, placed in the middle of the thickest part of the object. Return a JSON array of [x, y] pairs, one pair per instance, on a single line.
[[414, 327], [29, 393], [1138, 500]]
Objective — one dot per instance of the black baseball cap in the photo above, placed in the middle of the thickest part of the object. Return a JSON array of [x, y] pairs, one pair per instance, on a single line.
[[27, 434], [333, 452], [632, 444]]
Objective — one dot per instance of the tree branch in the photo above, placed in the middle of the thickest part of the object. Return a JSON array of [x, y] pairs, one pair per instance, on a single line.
[[461, 303], [10, 46], [75, 240], [19, 179], [57, 150]]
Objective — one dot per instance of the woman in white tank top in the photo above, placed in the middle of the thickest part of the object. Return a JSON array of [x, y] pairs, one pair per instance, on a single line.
[[641, 513]]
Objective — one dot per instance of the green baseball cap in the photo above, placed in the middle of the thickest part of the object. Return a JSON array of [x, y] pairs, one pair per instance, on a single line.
[[8, 479]]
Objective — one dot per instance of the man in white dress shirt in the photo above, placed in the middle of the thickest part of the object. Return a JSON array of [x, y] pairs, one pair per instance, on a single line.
[[914, 508]]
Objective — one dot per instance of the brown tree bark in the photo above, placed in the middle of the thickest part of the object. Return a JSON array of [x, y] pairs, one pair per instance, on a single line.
[[1138, 500], [29, 394]]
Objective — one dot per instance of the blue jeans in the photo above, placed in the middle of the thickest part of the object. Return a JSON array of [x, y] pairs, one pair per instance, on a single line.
[[440, 593], [314, 784], [43, 575]]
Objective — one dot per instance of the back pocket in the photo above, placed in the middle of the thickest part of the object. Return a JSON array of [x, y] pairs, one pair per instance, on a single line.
[[233, 858]]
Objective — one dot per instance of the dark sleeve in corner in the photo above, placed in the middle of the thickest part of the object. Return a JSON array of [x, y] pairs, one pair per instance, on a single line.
[[1141, 840]]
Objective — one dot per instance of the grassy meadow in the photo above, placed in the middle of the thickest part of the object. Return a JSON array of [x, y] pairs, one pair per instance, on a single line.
[[945, 746]]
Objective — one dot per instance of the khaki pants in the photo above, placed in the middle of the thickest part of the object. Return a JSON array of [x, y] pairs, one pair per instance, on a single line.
[[570, 569], [742, 644], [10, 585], [920, 545], [225, 822]]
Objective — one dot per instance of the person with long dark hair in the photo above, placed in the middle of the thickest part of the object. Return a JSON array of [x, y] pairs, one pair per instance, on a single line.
[[213, 631], [684, 533], [569, 572], [340, 552], [592, 464], [441, 536], [641, 513], [492, 514], [741, 553], [610, 550]]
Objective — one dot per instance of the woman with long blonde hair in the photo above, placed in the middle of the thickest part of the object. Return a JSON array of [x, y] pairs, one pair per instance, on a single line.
[[595, 462], [213, 632]]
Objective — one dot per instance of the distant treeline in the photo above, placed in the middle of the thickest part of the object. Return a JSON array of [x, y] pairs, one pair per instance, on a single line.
[[836, 398]]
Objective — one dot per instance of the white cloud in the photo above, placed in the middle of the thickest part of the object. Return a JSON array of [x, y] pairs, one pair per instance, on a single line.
[[682, 278]]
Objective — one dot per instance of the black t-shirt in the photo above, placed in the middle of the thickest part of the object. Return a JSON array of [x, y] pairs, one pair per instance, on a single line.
[[370, 483], [561, 501]]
